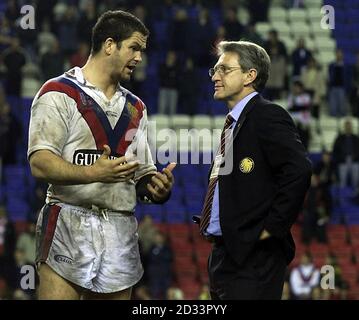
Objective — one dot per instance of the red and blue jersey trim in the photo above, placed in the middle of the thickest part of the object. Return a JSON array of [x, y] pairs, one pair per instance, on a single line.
[[96, 118]]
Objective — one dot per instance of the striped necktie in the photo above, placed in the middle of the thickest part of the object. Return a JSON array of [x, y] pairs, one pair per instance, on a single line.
[[207, 207]]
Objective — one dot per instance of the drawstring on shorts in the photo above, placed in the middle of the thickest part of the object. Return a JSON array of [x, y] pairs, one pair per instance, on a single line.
[[103, 212]]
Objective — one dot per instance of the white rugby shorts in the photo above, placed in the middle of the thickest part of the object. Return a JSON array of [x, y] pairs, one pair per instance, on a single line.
[[94, 251]]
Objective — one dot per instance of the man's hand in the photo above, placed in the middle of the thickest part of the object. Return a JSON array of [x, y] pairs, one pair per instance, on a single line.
[[162, 183], [111, 171], [264, 235]]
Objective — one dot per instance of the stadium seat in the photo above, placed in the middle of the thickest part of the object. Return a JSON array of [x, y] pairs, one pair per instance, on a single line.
[[182, 247], [290, 44], [180, 121], [178, 230], [349, 273], [283, 28], [181, 216], [262, 29], [160, 33], [354, 231], [297, 15], [326, 57], [317, 30], [319, 250], [314, 15], [189, 286], [185, 268], [337, 231], [310, 44], [20, 227], [166, 140], [163, 227], [277, 14], [326, 44], [343, 253], [299, 29], [202, 122], [314, 4], [202, 247], [161, 121]]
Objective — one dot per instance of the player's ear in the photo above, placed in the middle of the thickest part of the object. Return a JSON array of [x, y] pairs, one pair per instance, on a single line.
[[251, 75], [108, 46]]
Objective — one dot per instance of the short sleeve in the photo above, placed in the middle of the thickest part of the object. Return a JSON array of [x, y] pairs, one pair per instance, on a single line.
[[49, 124]]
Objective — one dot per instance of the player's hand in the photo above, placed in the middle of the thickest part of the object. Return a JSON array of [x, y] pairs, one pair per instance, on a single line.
[[110, 171], [162, 183]]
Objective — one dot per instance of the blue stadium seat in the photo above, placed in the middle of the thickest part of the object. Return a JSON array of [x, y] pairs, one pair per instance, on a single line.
[[155, 211], [348, 4], [14, 171], [160, 32], [176, 217], [18, 191], [192, 12], [2, 192], [17, 209]]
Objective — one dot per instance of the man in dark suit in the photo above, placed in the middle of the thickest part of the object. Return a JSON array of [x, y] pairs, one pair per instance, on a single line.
[[249, 209]]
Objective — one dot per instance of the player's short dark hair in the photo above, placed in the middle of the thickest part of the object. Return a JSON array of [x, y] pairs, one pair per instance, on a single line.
[[251, 56], [118, 25]]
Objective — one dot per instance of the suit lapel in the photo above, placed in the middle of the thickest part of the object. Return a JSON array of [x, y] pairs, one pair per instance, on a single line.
[[249, 106], [239, 124]]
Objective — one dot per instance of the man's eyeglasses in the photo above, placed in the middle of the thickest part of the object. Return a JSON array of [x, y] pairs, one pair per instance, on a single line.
[[222, 70]]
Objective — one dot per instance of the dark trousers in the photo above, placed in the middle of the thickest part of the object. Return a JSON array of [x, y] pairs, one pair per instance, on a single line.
[[260, 277]]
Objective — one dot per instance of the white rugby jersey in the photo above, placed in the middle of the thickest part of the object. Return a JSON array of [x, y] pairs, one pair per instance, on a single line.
[[74, 119]]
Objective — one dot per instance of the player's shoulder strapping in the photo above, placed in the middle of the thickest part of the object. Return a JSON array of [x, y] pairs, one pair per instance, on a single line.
[[133, 99], [60, 84]]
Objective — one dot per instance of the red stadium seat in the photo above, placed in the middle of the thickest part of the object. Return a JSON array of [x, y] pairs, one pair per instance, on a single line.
[[354, 230], [202, 262], [179, 229], [202, 249], [356, 253], [319, 261], [319, 249], [319, 253], [350, 274], [182, 261], [337, 229], [354, 240], [190, 287], [343, 253], [20, 227], [337, 233], [333, 241], [185, 272], [183, 248], [163, 227]]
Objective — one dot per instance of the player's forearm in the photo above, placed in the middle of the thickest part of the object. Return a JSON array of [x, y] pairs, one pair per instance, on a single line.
[[51, 168]]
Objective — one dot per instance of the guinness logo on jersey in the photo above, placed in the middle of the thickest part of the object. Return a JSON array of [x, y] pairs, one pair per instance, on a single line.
[[87, 157]]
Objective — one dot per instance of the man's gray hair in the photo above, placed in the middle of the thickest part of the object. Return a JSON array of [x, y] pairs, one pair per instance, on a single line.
[[251, 56]]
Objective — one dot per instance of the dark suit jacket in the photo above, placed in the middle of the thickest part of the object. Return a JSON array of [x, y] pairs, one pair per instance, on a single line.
[[271, 195]]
